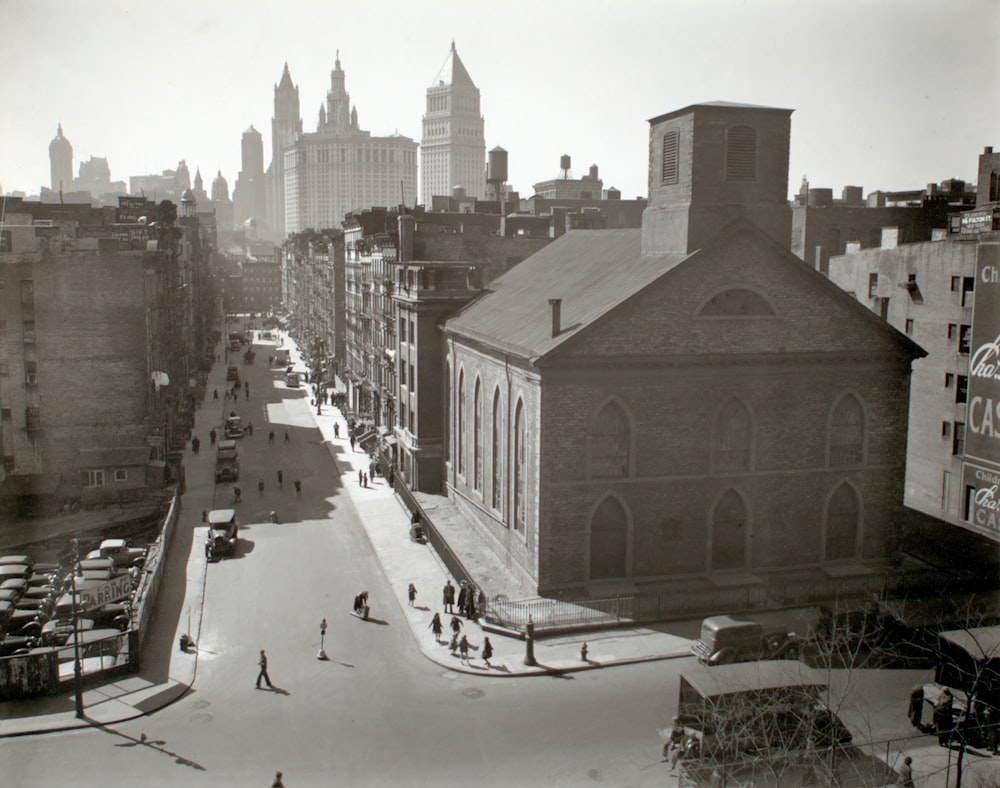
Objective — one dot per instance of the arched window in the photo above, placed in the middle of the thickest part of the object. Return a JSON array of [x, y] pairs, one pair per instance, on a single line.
[[847, 432], [609, 443], [477, 432], [729, 533], [497, 458], [843, 519], [733, 437], [736, 302], [461, 422], [446, 442], [608, 540], [520, 451]]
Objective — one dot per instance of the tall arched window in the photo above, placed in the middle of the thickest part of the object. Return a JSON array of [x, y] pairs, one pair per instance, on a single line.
[[461, 422], [847, 432], [497, 458], [609, 443], [446, 442], [733, 437], [608, 541], [729, 533], [477, 432], [843, 519], [520, 470]]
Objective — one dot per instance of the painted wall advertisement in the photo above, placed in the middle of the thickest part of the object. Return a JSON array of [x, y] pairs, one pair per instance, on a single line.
[[983, 485]]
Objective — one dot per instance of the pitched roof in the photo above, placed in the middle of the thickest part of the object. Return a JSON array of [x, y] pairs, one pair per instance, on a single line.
[[592, 271], [453, 71], [96, 458]]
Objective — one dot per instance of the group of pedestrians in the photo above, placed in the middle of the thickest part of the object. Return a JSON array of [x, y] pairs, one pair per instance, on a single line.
[[467, 599], [459, 643]]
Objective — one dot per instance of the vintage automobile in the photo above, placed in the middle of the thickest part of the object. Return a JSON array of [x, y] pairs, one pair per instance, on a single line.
[[223, 533], [15, 559], [14, 570], [10, 594], [57, 631], [292, 380], [232, 372], [233, 427], [119, 551], [19, 584], [227, 462], [725, 639]]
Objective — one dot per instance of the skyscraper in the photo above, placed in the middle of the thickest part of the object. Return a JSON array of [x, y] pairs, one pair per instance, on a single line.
[[249, 193], [341, 168], [61, 162], [453, 148], [285, 124]]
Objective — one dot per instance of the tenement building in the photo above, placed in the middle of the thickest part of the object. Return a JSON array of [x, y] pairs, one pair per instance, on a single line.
[[341, 168], [942, 294], [686, 401], [453, 144]]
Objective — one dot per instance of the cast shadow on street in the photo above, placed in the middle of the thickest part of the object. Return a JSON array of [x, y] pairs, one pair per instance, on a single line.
[[275, 689], [153, 744], [555, 673]]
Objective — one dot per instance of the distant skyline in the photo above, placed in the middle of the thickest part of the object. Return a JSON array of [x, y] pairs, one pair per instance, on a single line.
[[888, 94]]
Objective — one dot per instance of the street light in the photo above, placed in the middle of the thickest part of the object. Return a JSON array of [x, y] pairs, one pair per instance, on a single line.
[[322, 636], [77, 680]]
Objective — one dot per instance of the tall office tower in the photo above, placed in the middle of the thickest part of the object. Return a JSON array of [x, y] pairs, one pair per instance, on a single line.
[[61, 162], [341, 168], [249, 193], [453, 148], [285, 124]]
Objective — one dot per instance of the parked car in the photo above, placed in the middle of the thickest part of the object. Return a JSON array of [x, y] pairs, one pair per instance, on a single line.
[[57, 631], [120, 553], [223, 533], [227, 462], [292, 380], [725, 639], [233, 371], [116, 615], [5, 560], [233, 427], [16, 583], [14, 570], [15, 645]]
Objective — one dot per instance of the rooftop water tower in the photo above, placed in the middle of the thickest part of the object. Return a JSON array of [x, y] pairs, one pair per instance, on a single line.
[[496, 174]]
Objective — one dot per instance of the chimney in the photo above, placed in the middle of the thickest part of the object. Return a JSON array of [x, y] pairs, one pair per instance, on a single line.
[[555, 306]]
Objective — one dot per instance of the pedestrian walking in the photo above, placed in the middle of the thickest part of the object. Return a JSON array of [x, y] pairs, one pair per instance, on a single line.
[[470, 604], [463, 648], [371, 468], [212, 435], [448, 597], [277, 781], [352, 443], [260, 485], [250, 428], [360, 478], [463, 592], [246, 388], [411, 592], [336, 430], [487, 651], [195, 444], [270, 437], [365, 480], [905, 772], [215, 394], [263, 670], [237, 494], [280, 477], [226, 394], [270, 360], [436, 627], [453, 646], [286, 437], [298, 487], [456, 624]]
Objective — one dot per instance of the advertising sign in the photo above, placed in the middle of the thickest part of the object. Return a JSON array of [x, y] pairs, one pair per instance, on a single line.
[[115, 589], [982, 433]]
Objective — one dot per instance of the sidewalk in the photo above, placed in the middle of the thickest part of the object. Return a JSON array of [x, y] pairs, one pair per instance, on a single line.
[[387, 523]]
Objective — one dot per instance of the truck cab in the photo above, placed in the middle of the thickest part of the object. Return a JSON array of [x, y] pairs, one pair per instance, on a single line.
[[725, 639]]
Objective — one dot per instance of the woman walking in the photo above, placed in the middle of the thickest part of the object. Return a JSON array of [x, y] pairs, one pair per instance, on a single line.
[[436, 627], [487, 651]]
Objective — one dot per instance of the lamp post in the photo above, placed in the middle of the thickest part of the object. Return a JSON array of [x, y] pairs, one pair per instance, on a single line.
[[529, 643], [322, 637], [77, 679]]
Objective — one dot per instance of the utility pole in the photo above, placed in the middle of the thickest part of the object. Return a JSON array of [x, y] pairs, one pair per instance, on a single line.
[[77, 679]]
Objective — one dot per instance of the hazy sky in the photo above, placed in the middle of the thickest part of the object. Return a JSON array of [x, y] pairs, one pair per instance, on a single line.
[[888, 94]]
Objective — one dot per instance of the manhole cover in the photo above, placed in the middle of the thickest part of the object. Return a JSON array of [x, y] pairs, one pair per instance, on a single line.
[[202, 717], [202, 704], [473, 693]]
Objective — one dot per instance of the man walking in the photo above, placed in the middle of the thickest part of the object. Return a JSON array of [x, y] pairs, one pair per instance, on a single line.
[[448, 597], [281, 477], [286, 437], [263, 670]]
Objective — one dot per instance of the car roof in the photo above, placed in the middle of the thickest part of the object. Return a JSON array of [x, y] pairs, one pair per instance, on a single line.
[[220, 516], [112, 544], [712, 681]]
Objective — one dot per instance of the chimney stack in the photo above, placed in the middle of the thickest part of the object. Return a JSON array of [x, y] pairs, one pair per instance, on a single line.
[[555, 306]]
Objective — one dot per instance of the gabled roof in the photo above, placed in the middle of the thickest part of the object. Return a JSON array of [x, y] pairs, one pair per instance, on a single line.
[[591, 271], [453, 71]]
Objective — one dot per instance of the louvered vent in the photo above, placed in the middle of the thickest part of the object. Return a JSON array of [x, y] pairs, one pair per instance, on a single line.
[[670, 145], [741, 154]]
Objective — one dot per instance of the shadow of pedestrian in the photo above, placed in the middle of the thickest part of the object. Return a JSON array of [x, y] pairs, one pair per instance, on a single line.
[[153, 744], [422, 607], [275, 690]]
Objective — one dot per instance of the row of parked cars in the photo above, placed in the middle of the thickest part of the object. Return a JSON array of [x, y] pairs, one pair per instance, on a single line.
[[37, 602]]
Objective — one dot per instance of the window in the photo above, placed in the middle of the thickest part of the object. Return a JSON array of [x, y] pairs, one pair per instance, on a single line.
[[909, 326], [670, 149], [729, 533], [872, 284], [402, 328], [958, 439], [413, 331], [964, 339], [945, 429], [956, 282], [5, 414], [968, 288], [121, 474], [461, 422], [402, 372], [5, 241], [741, 154], [413, 379], [520, 434], [92, 478], [736, 302], [609, 443], [952, 330], [497, 458], [609, 541], [847, 432], [733, 437], [843, 512], [477, 431], [962, 389], [949, 379]]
